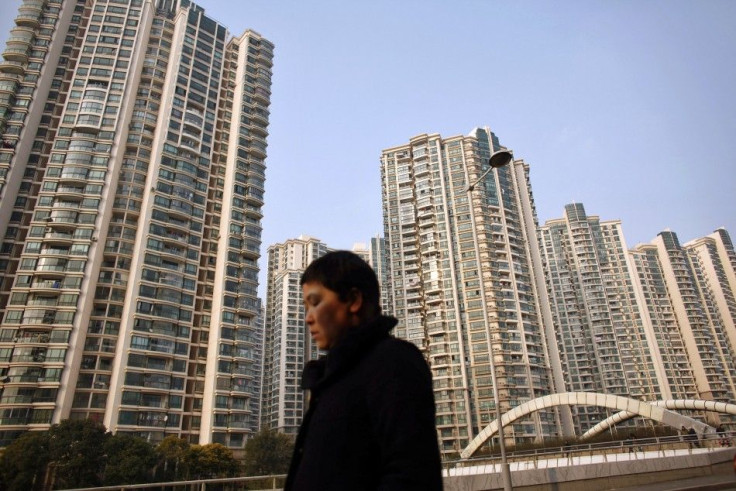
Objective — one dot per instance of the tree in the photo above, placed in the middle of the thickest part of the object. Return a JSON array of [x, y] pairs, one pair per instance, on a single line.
[[130, 460], [23, 462], [76, 453], [171, 454], [210, 461], [267, 453]]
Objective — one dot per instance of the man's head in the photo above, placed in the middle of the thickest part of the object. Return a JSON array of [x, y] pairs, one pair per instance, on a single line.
[[340, 291]]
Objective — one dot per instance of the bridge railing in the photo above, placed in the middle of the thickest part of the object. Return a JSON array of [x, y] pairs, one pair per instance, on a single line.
[[251, 483], [273, 482], [631, 445]]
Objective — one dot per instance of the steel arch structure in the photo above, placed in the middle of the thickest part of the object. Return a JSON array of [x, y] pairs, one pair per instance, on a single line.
[[623, 404], [671, 404]]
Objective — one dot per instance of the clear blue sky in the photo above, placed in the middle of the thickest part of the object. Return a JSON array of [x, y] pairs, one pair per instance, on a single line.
[[626, 106]]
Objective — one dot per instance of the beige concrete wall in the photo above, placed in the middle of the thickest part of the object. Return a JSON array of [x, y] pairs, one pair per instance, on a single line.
[[604, 475]]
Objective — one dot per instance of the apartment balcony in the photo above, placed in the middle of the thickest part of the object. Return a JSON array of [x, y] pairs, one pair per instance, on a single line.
[[54, 270], [262, 95], [180, 213], [21, 35], [34, 5], [47, 286], [424, 214], [68, 216], [189, 143], [39, 317], [434, 299], [193, 117], [28, 17], [259, 142], [9, 81], [6, 102], [73, 177], [259, 132], [16, 53], [88, 123], [263, 83], [191, 130], [260, 117], [9, 86], [13, 67], [75, 193]]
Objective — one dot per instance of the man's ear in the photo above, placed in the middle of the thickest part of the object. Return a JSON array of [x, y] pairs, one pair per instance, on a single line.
[[355, 298]]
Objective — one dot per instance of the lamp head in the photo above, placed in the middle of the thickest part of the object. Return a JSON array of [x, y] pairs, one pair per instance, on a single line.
[[500, 158]]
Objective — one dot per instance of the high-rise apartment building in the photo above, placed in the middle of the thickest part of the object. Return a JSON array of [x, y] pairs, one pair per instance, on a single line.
[[655, 306], [361, 250], [288, 345], [686, 292], [132, 173], [379, 262], [465, 284], [713, 261], [601, 338]]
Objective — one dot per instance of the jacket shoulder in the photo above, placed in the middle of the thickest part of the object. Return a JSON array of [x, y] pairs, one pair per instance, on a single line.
[[393, 344], [396, 354]]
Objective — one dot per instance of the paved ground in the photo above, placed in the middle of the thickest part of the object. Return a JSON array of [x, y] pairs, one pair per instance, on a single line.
[[705, 483]]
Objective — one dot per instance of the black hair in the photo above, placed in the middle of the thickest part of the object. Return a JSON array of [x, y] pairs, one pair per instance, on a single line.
[[343, 271]]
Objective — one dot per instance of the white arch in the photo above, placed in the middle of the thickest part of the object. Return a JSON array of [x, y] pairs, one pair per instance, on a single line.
[[692, 404], [641, 408]]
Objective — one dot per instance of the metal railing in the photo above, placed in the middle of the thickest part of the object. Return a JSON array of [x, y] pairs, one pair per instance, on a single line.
[[222, 484], [711, 441]]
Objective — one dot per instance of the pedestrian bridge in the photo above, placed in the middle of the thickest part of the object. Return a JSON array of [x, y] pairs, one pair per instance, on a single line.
[[629, 408], [586, 467], [690, 404]]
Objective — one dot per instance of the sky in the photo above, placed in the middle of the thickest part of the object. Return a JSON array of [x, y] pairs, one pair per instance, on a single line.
[[626, 106]]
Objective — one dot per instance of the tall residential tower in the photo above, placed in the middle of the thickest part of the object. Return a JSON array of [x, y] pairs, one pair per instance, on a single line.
[[602, 341], [687, 293], [465, 285], [132, 173], [687, 296], [288, 345]]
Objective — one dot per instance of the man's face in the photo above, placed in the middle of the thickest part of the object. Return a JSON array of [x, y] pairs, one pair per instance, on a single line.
[[327, 316]]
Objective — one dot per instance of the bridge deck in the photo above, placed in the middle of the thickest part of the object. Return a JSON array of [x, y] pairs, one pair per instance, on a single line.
[[663, 469]]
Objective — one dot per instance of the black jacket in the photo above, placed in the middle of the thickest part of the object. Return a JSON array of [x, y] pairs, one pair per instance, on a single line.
[[370, 423]]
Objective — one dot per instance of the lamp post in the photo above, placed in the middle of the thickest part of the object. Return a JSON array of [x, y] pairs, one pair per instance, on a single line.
[[498, 159]]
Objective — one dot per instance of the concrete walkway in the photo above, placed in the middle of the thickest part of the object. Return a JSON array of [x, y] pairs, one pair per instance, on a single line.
[[572, 461], [686, 469], [706, 483]]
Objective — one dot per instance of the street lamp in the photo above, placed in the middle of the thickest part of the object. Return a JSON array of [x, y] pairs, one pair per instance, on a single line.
[[498, 159]]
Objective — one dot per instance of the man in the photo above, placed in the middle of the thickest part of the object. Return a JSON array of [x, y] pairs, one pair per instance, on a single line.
[[370, 423]]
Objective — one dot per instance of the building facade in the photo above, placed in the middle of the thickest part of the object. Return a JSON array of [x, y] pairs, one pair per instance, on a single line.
[[686, 293], [132, 171], [379, 262], [288, 345], [601, 338], [464, 283], [668, 349], [713, 262]]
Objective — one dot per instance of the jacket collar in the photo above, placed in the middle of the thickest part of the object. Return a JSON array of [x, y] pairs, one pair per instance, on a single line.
[[355, 344]]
